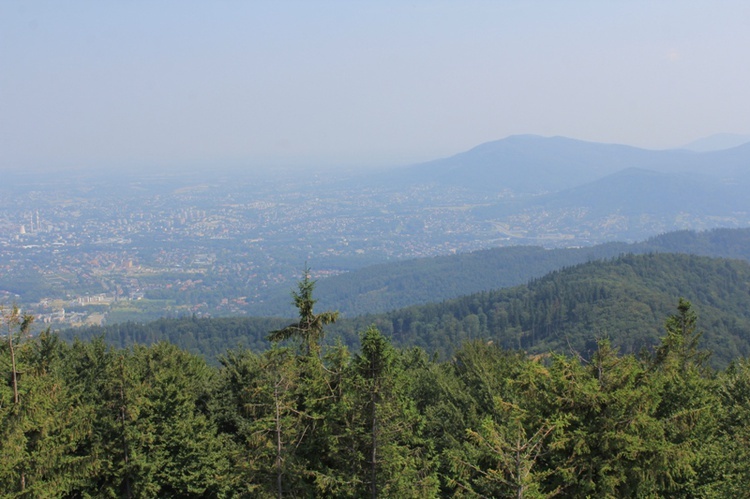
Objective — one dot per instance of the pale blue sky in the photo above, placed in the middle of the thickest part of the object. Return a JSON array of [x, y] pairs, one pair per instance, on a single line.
[[113, 83]]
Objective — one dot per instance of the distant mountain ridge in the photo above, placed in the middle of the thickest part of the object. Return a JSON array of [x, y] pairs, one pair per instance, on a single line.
[[533, 164], [554, 189], [717, 142]]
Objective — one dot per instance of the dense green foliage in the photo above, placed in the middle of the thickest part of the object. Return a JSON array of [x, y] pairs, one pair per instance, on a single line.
[[208, 337], [92, 420], [569, 310]]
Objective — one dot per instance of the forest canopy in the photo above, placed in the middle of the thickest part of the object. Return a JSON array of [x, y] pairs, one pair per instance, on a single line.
[[623, 299], [94, 420]]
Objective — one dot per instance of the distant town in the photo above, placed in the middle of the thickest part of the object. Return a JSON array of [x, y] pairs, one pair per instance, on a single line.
[[77, 256], [101, 250]]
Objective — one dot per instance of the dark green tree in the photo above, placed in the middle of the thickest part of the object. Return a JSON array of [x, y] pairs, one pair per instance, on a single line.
[[398, 460], [178, 451], [260, 412], [43, 423], [106, 381], [152, 435], [16, 327], [375, 362], [679, 352], [730, 461], [310, 327]]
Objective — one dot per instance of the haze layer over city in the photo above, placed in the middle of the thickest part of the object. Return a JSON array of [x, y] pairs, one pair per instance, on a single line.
[[258, 84], [179, 158]]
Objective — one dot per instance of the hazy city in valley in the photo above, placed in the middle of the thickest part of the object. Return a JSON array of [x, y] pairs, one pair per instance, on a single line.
[[374, 249], [103, 248]]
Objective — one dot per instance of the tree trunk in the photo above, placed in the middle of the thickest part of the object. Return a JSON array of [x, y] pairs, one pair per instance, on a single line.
[[123, 416], [374, 418], [13, 372], [278, 440], [374, 455]]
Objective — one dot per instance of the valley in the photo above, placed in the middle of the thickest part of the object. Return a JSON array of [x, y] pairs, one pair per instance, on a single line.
[[96, 248]]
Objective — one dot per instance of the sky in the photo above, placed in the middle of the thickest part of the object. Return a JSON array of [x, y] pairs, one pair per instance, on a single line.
[[110, 84]]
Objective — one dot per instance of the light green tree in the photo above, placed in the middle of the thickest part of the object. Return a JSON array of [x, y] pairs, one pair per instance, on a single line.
[[500, 453], [689, 407]]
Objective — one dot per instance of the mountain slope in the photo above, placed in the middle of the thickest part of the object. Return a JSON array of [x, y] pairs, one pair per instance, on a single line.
[[635, 191], [389, 286], [528, 164], [717, 142], [626, 299], [533, 164]]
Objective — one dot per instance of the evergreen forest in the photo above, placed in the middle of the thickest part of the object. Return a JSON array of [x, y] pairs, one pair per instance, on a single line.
[[623, 299], [307, 417]]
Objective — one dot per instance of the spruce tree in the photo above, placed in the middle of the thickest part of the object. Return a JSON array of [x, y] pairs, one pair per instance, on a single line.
[[310, 327]]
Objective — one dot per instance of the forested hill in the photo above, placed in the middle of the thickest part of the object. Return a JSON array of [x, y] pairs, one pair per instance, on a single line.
[[726, 243], [624, 299], [209, 337], [385, 287]]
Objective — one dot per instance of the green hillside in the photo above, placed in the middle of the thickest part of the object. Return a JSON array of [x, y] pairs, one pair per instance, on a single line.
[[624, 299], [385, 287]]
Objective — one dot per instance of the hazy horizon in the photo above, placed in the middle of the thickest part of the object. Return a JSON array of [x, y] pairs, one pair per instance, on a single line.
[[133, 84]]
